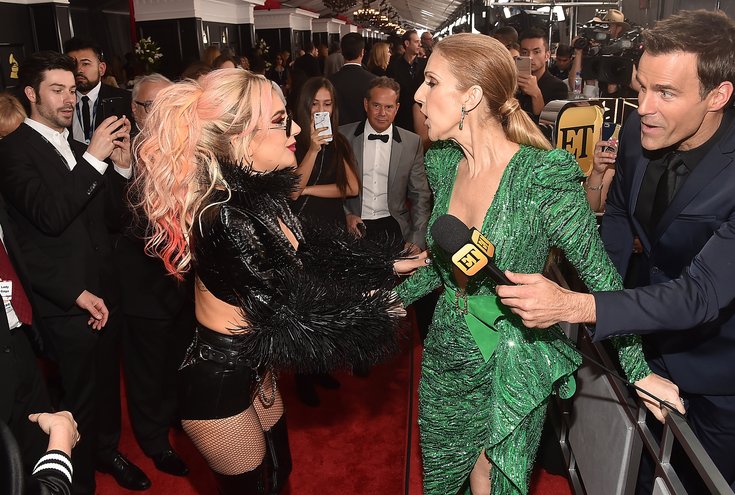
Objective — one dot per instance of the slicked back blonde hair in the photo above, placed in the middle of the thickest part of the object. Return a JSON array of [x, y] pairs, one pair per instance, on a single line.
[[477, 59]]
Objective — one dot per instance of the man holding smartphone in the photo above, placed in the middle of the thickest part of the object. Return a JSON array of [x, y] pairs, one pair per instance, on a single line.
[[539, 87], [91, 92]]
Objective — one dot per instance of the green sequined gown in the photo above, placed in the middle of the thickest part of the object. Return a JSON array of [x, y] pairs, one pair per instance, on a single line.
[[467, 404]]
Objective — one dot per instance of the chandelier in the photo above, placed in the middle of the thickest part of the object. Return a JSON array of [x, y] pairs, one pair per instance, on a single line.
[[388, 19], [339, 6], [366, 15]]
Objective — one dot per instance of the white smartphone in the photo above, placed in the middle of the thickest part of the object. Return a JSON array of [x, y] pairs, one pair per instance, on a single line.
[[321, 119], [523, 64]]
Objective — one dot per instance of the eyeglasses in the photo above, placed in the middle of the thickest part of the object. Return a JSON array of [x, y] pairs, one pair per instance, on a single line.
[[284, 125], [145, 104]]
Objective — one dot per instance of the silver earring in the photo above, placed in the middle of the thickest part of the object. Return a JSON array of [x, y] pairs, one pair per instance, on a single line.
[[461, 120]]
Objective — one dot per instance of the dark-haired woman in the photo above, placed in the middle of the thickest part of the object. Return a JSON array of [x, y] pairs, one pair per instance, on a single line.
[[326, 166]]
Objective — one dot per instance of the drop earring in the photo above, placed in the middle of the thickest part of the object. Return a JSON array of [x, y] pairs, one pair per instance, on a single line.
[[461, 120]]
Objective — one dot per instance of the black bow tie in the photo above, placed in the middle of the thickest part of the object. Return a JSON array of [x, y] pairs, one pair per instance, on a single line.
[[382, 137]]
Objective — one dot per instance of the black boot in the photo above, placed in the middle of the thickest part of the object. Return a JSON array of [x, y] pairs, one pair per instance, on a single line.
[[279, 454], [253, 482]]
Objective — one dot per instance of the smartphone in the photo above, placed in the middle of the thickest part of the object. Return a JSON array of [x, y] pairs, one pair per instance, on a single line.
[[114, 105], [523, 64], [321, 119], [610, 131]]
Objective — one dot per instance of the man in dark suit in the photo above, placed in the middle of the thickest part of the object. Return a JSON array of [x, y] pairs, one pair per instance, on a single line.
[[352, 80], [23, 391], [673, 188], [539, 88], [408, 71], [308, 63], [157, 321], [89, 110], [63, 197]]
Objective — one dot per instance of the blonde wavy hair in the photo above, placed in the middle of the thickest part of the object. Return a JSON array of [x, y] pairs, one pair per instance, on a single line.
[[477, 59], [192, 125], [379, 56]]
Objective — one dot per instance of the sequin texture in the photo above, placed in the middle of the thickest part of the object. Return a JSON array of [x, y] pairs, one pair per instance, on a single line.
[[467, 405]]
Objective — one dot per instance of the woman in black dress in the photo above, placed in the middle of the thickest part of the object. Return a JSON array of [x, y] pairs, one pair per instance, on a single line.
[[326, 163]]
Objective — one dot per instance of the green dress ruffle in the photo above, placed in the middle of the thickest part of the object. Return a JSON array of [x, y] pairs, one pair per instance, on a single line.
[[467, 405]]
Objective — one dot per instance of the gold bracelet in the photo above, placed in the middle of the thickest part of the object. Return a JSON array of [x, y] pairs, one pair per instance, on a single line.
[[593, 188]]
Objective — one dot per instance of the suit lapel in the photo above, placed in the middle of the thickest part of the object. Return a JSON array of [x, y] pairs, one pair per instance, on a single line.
[[711, 166], [635, 190], [47, 149], [395, 158]]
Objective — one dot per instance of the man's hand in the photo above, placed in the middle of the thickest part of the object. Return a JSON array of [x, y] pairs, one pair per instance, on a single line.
[[121, 155], [529, 85], [405, 267], [102, 143], [96, 308], [541, 303], [663, 389], [352, 224]]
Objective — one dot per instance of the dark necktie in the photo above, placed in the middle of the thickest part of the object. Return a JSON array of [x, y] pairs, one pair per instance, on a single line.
[[382, 137], [674, 170], [85, 118], [18, 300]]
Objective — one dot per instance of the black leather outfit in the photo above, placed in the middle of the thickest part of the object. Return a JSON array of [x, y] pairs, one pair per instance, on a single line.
[[309, 310]]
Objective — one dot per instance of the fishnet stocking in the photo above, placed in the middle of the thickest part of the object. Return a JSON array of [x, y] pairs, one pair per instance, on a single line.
[[231, 445], [268, 415]]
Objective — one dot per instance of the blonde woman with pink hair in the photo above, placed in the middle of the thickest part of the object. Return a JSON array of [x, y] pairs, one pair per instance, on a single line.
[[215, 174]]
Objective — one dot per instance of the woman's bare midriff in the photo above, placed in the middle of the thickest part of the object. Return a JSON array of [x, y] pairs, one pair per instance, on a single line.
[[214, 313]]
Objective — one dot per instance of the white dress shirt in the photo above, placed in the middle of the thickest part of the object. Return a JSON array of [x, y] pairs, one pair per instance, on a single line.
[[77, 126], [59, 140], [375, 168]]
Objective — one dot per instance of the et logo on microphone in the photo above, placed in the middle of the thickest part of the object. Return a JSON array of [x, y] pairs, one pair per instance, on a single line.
[[470, 259], [482, 243], [475, 255]]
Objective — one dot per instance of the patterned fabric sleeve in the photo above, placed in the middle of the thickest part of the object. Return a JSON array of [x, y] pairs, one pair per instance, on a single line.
[[571, 227]]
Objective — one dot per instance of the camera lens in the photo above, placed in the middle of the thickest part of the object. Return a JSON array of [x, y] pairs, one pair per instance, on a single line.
[[580, 43]]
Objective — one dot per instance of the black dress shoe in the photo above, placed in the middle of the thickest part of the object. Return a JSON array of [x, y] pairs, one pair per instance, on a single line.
[[127, 474], [169, 462]]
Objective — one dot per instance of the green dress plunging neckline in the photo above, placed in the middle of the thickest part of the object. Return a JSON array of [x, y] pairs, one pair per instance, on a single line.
[[466, 404]]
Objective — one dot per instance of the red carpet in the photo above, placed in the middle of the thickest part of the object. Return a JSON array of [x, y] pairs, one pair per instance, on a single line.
[[354, 442]]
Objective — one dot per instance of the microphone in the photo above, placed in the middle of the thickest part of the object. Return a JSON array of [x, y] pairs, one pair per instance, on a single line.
[[471, 251]]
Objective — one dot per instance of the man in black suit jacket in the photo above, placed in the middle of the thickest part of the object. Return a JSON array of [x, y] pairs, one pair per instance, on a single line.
[[408, 71], [308, 63], [159, 323], [23, 391], [673, 188], [352, 81], [64, 198], [89, 110]]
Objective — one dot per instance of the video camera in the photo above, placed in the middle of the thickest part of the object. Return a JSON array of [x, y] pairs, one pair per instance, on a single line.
[[605, 59]]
